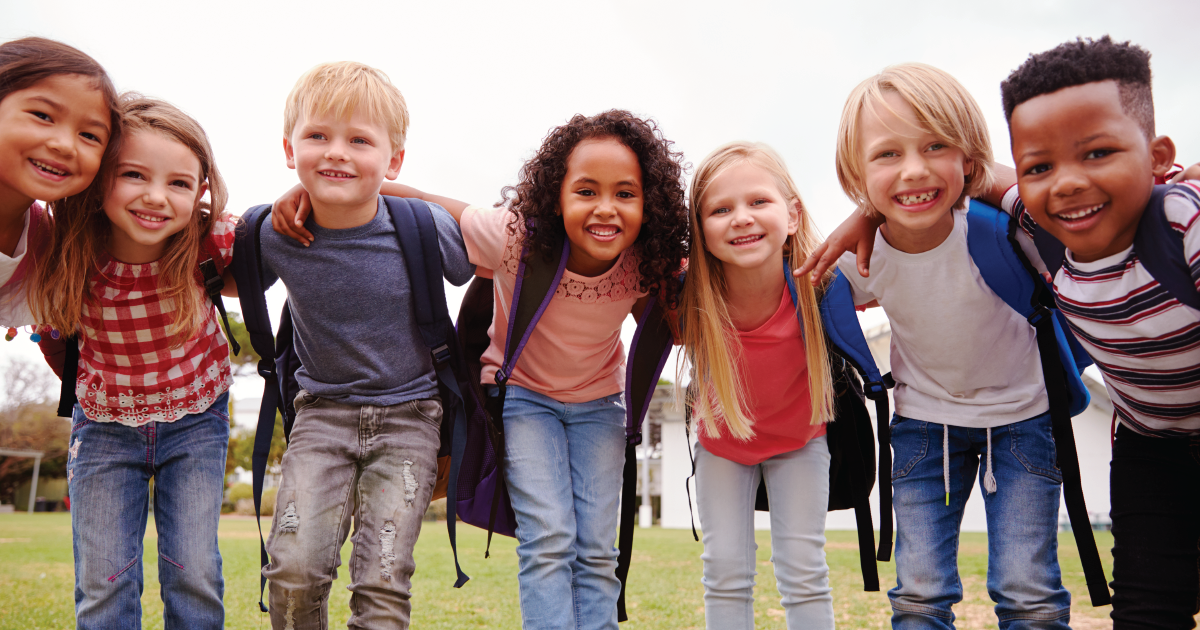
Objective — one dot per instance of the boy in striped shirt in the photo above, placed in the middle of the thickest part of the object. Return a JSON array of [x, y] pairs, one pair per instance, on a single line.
[[1081, 121]]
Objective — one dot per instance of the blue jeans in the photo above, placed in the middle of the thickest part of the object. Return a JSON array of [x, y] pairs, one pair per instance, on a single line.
[[563, 464], [1022, 521], [109, 468], [798, 488]]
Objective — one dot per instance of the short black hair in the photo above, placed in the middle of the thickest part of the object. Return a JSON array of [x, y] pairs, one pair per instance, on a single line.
[[1086, 61]]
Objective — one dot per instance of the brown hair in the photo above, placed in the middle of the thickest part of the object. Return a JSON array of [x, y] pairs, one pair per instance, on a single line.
[[82, 228]]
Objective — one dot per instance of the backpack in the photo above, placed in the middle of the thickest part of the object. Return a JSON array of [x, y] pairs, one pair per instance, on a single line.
[[991, 240], [537, 280], [851, 449], [1157, 244], [62, 352], [279, 362]]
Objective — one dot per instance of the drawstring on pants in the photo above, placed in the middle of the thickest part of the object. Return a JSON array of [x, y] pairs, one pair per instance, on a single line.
[[989, 479]]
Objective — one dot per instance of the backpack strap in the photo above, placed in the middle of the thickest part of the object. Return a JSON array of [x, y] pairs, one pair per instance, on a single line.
[[648, 354], [417, 231], [70, 376], [1160, 247], [991, 239], [843, 330], [212, 265], [246, 269]]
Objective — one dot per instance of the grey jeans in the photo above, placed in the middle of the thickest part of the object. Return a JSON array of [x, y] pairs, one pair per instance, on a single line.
[[375, 464]]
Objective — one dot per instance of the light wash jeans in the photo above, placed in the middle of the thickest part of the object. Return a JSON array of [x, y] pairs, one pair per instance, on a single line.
[[798, 488], [376, 465], [109, 468], [1022, 520], [563, 465]]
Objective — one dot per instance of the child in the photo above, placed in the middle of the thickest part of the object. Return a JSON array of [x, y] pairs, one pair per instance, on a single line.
[[912, 147], [769, 392], [58, 120], [153, 370], [366, 436], [609, 184], [1082, 123]]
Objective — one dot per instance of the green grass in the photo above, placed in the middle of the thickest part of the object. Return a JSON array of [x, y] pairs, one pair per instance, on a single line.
[[36, 580]]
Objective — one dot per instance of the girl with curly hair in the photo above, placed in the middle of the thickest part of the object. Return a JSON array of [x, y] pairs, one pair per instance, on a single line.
[[611, 185]]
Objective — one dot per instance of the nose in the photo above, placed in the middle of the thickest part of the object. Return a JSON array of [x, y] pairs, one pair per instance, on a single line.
[[742, 217], [915, 166], [155, 196], [1068, 180], [607, 207], [62, 141], [336, 151]]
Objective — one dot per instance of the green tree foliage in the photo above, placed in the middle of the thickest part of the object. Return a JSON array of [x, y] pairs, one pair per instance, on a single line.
[[28, 421], [245, 363], [241, 448]]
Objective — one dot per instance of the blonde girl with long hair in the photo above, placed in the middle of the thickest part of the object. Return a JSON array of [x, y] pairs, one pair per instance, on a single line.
[[762, 390], [153, 369]]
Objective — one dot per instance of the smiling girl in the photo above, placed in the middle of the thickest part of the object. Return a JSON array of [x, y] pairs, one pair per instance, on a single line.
[[58, 120], [153, 370], [769, 396]]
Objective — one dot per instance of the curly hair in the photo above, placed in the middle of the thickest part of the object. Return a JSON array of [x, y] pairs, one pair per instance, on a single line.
[[663, 240], [1086, 61]]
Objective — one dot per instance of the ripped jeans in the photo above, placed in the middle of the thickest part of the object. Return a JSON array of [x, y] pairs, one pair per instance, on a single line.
[[109, 468], [375, 464]]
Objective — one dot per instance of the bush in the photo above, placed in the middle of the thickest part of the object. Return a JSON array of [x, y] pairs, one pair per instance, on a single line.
[[436, 511], [268, 501], [239, 491]]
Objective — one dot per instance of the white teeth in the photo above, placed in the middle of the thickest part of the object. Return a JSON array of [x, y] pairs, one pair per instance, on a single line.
[[746, 239], [603, 230], [909, 200], [336, 174], [146, 217], [48, 168], [1079, 214]]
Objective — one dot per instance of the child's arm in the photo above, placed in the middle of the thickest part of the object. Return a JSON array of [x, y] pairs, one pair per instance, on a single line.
[[292, 209], [857, 234], [230, 288], [1006, 177]]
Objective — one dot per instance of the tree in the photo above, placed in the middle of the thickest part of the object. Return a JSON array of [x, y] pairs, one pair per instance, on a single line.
[[246, 362], [29, 421], [241, 448]]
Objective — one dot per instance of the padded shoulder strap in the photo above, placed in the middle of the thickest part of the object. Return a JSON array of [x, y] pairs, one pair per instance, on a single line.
[[246, 269], [535, 286], [997, 259], [1160, 248], [417, 232]]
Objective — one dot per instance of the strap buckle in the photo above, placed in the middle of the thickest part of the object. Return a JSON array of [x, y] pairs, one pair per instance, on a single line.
[[212, 280], [441, 355], [1040, 315]]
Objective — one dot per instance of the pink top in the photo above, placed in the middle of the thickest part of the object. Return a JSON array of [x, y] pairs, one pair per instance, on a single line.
[[574, 353], [774, 367], [128, 371]]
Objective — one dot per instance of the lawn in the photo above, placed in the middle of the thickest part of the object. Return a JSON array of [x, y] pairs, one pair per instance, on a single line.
[[36, 581]]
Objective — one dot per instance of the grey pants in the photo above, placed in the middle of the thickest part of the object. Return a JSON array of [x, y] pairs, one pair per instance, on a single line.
[[375, 464]]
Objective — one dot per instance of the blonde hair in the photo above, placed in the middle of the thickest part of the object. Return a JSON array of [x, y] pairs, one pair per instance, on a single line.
[[343, 87], [942, 105], [709, 339], [81, 228]]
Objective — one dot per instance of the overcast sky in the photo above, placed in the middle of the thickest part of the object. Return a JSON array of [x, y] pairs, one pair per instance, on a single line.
[[485, 81]]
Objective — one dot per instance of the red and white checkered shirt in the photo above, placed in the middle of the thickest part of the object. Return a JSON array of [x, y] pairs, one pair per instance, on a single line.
[[128, 371]]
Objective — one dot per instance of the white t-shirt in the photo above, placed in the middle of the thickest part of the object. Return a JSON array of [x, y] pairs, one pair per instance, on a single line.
[[14, 302], [960, 355]]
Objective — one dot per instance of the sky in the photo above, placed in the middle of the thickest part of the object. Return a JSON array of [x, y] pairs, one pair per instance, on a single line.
[[485, 81]]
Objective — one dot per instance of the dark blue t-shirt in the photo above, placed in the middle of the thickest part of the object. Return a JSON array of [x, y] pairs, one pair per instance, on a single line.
[[352, 308]]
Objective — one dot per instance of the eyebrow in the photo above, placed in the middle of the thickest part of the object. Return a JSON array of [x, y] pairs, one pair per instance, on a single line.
[[173, 174], [589, 180], [1091, 138]]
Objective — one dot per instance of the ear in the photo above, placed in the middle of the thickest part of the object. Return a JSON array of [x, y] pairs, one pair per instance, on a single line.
[[394, 164], [289, 153], [794, 217], [1162, 155], [200, 190]]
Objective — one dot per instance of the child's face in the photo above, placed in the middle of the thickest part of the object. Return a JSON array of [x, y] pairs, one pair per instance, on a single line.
[[912, 176], [52, 136], [156, 187], [1085, 168], [342, 162], [745, 218], [601, 204]]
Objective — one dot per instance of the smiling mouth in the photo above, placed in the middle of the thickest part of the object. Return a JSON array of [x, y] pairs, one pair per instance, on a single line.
[[1080, 214], [49, 169], [336, 174], [746, 240], [912, 200], [147, 217], [604, 231]]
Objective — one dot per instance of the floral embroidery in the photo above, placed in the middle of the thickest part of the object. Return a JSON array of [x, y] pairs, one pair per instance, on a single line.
[[621, 282]]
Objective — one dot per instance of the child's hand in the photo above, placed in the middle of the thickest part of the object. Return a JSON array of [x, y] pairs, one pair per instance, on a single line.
[[1191, 172], [288, 215], [856, 233]]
